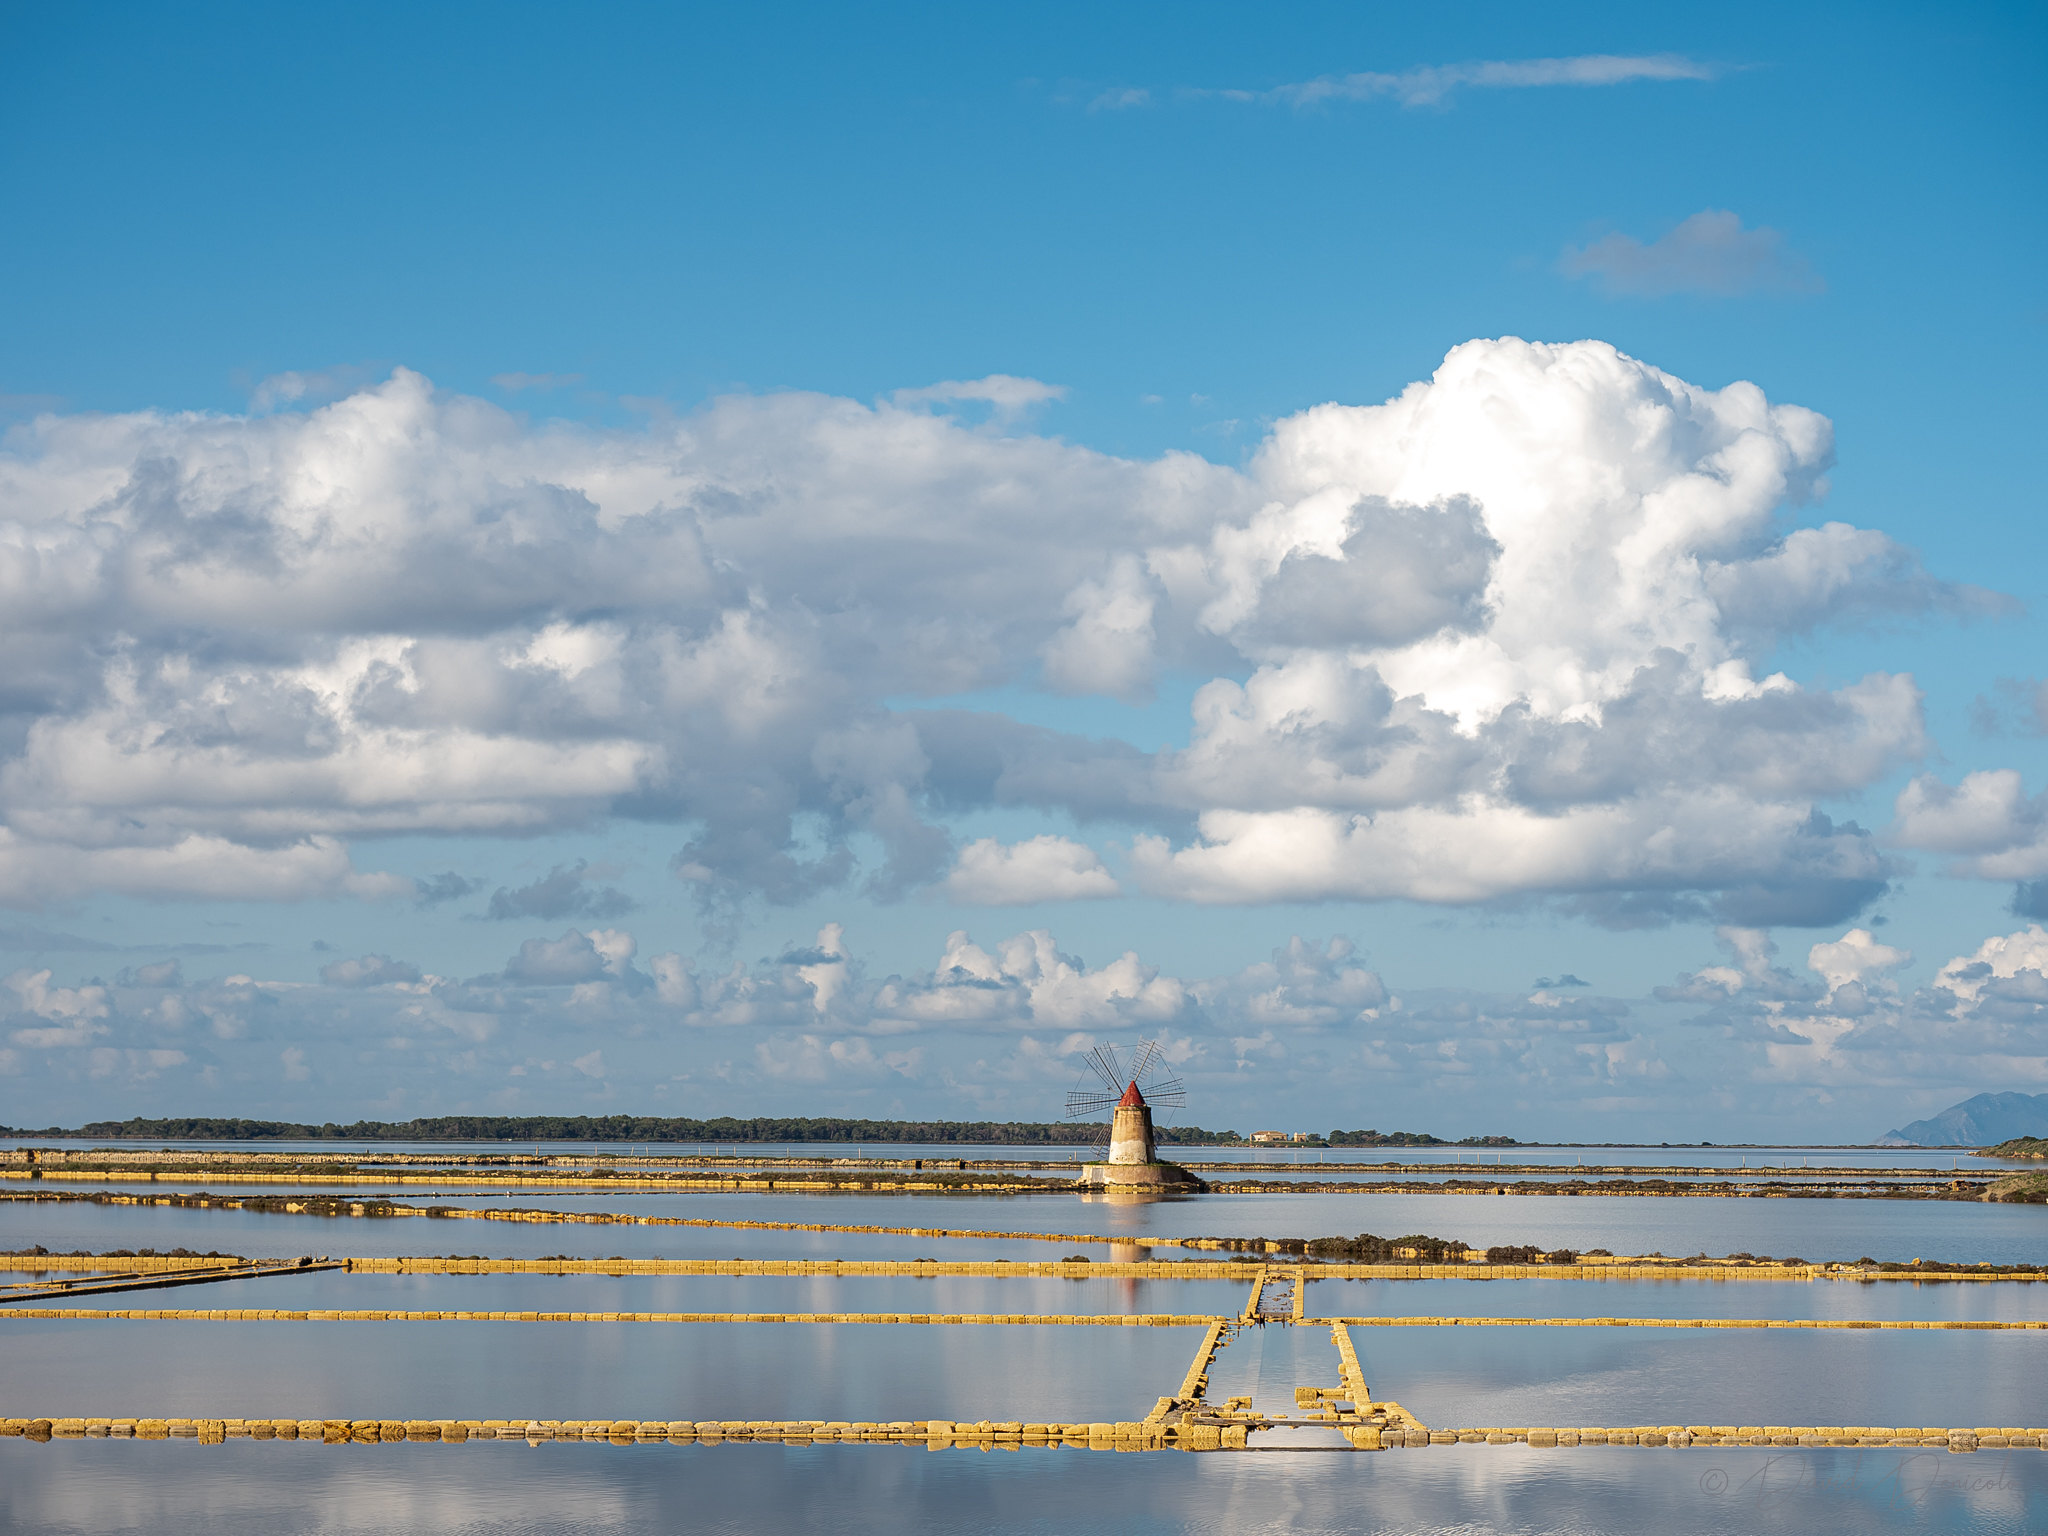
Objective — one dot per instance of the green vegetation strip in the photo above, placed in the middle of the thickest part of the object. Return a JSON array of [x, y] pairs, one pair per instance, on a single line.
[[646, 1128]]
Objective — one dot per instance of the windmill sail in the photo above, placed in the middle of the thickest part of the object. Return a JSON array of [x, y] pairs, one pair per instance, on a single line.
[[1103, 1062], [1159, 1087], [1082, 1104]]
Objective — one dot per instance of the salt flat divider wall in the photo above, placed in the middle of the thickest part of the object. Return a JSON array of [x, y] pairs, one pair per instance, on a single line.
[[941, 1434], [1002, 1319], [156, 1264], [1196, 1383], [1152, 1269], [1146, 1269]]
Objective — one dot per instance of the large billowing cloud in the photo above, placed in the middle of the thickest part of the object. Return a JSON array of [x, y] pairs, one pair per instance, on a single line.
[[1573, 707], [1494, 639]]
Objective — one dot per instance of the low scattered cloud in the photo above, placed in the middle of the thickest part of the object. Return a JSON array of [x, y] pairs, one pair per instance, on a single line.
[[1007, 396], [1856, 957], [433, 890], [1976, 1026], [567, 890], [370, 971], [1831, 1046], [1432, 85], [164, 973], [1709, 254], [574, 957], [1121, 99]]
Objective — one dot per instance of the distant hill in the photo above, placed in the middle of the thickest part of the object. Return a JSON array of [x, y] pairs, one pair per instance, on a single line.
[[1984, 1121]]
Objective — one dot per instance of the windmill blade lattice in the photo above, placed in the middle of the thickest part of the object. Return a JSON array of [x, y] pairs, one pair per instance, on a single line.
[[1148, 1053], [1160, 1088], [1102, 1060], [1084, 1105], [1166, 1093]]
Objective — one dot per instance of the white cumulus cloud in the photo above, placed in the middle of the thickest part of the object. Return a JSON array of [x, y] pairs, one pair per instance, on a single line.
[[1498, 637], [1432, 84], [1044, 868]]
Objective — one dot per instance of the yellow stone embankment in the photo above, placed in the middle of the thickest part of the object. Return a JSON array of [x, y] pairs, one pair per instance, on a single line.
[[1156, 1269], [119, 1264], [1827, 1323], [1080, 1269], [1196, 1382], [378, 1315], [1006, 1319], [934, 1434], [1348, 1368], [1250, 1312], [1148, 1435]]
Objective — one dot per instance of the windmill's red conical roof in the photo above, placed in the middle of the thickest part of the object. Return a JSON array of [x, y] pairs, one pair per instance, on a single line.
[[1132, 1099]]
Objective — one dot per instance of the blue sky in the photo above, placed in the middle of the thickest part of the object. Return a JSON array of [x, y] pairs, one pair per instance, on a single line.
[[853, 362]]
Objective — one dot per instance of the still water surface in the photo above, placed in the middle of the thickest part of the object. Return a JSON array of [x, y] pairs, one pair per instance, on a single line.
[[174, 1488], [1837, 1229], [1447, 1376], [336, 1289]]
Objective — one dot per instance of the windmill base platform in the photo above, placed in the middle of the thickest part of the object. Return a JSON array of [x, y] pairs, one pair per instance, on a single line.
[[1164, 1177]]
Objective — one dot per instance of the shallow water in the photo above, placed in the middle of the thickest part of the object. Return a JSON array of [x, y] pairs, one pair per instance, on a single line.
[[336, 1289], [171, 1488], [69, 1225], [1458, 1378], [1449, 1376], [1537, 1298], [1973, 1300], [1952, 1231], [1600, 1376], [589, 1370]]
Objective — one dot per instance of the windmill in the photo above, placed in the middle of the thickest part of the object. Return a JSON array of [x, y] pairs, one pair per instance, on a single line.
[[1131, 1094]]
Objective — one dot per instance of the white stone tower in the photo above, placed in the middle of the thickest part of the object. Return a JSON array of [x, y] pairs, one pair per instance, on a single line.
[[1130, 1133]]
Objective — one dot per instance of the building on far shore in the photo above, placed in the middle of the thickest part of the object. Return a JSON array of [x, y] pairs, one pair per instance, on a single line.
[[1269, 1138]]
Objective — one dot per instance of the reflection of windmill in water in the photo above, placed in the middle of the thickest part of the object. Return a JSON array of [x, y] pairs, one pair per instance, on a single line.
[[1132, 1159]]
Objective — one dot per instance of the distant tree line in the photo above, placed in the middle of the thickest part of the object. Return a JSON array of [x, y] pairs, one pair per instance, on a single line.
[[724, 1129], [1413, 1139], [625, 1128]]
